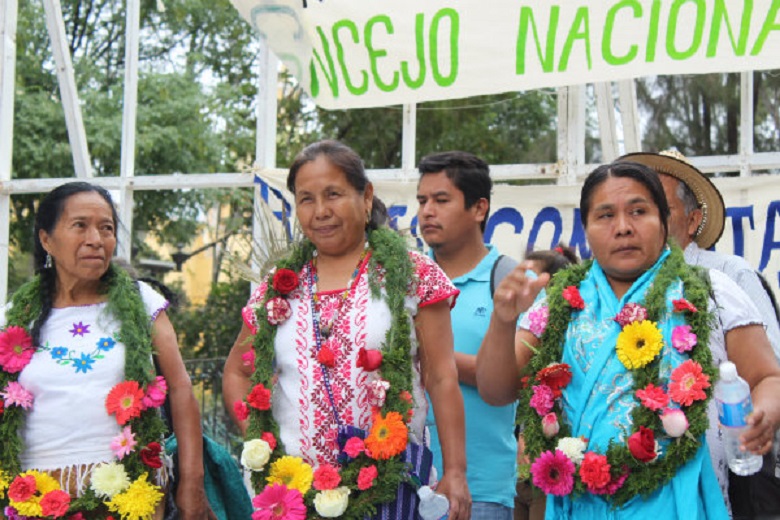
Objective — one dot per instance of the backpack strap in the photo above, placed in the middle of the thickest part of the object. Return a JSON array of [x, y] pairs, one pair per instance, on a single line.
[[502, 267]]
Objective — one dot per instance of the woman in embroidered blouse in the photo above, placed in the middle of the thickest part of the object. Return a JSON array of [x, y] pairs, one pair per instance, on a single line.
[[322, 379], [88, 358], [610, 417]]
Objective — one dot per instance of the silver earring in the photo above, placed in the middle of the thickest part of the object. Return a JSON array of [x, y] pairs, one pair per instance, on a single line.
[[47, 264]]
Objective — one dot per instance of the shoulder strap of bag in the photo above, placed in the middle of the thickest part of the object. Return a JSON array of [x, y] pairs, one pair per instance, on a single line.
[[500, 269]]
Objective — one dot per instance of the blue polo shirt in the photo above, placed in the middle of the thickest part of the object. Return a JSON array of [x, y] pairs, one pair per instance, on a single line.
[[491, 446]]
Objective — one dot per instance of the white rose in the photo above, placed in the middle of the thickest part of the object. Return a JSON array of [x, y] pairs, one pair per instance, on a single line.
[[332, 503], [255, 455], [572, 447]]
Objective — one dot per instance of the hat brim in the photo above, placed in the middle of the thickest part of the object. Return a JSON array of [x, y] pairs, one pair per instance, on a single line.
[[709, 198]]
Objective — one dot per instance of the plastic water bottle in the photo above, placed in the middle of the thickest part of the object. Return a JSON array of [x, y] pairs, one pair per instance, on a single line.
[[732, 396], [433, 506]]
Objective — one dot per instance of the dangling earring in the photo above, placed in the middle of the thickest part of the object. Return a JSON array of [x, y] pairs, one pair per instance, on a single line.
[[47, 264]]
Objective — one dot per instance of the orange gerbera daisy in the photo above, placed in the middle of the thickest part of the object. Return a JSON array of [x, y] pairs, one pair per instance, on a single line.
[[124, 400], [388, 436]]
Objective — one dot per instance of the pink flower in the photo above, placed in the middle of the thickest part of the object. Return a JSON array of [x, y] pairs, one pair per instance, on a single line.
[[542, 400], [270, 439], [682, 305], [278, 310], [572, 296], [124, 443], [22, 488], [550, 426], [613, 485], [688, 383], [630, 313], [652, 397], [538, 320], [369, 360], [366, 477], [354, 447], [15, 349], [683, 339], [326, 477], [553, 473], [674, 421], [248, 358], [241, 410], [594, 471], [16, 395], [377, 391], [155, 393], [276, 502], [55, 503]]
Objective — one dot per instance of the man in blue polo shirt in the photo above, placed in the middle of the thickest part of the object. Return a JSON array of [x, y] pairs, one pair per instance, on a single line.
[[454, 202]]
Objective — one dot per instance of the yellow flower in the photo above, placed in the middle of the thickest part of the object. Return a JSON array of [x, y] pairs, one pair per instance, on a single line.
[[43, 484], [639, 343], [292, 472], [138, 501], [5, 481]]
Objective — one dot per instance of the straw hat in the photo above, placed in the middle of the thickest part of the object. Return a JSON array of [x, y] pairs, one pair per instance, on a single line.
[[672, 162]]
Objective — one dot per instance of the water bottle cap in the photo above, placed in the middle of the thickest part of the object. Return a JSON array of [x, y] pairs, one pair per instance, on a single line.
[[728, 371]]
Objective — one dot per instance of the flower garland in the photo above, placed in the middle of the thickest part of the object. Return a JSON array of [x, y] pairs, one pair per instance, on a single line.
[[122, 486], [370, 465], [674, 411]]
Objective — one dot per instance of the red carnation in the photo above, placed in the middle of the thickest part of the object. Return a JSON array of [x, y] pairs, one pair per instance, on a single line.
[[594, 471], [55, 503], [572, 295], [630, 313], [150, 455], [326, 477], [241, 410], [259, 397], [684, 305], [642, 445], [556, 376], [369, 360], [285, 281], [270, 439], [278, 310], [326, 356], [2, 406]]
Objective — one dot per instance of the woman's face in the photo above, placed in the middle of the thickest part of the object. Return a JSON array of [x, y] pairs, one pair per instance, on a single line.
[[332, 213], [83, 240], [624, 230]]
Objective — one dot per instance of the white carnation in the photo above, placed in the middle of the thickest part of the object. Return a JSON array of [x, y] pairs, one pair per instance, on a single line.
[[108, 479], [572, 447], [255, 455], [332, 503]]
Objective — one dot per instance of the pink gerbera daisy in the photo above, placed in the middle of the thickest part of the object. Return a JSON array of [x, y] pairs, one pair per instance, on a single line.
[[15, 349], [15, 394], [124, 443], [553, 473], [276, 502], [688, 383]]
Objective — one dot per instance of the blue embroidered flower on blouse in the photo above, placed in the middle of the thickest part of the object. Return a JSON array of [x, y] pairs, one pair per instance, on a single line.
[[79, 329], [106, 344], [84, 364], [59, 352]]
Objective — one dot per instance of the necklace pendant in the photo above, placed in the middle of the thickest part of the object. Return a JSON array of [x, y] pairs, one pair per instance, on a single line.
[[325, 331]]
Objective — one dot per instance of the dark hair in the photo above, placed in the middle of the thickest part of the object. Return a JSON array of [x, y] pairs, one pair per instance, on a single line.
[[553, 260], [348, 161], [638, 172], [46, 219], [469, 173]]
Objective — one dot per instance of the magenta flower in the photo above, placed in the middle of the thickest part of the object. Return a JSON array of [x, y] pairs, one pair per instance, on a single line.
[[354, 447], [542, 400], [553, 473], [124, 443], [276, 502], [683, 339], [155, 393], [15, 349], [630, 313], [538, 320], [248, 358], [15, 394]]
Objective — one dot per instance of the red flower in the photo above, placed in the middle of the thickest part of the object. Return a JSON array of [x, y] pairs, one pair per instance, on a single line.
[[259, 397], [326, 356], [630, 313], [653, 397], [524, 381], [642, 445], [614, 484], [270, 439], [572, 295], [241, 410], [22, 488], [15, 349], [150, 455], [366, 477], [124, 400], [285, 281], [682, 305], [278, 310], [326, 477], [594, 471], [556, 376], [79, 516], [688, 383], [2, 406], [369, 360], [55, 503], [405, 396]]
